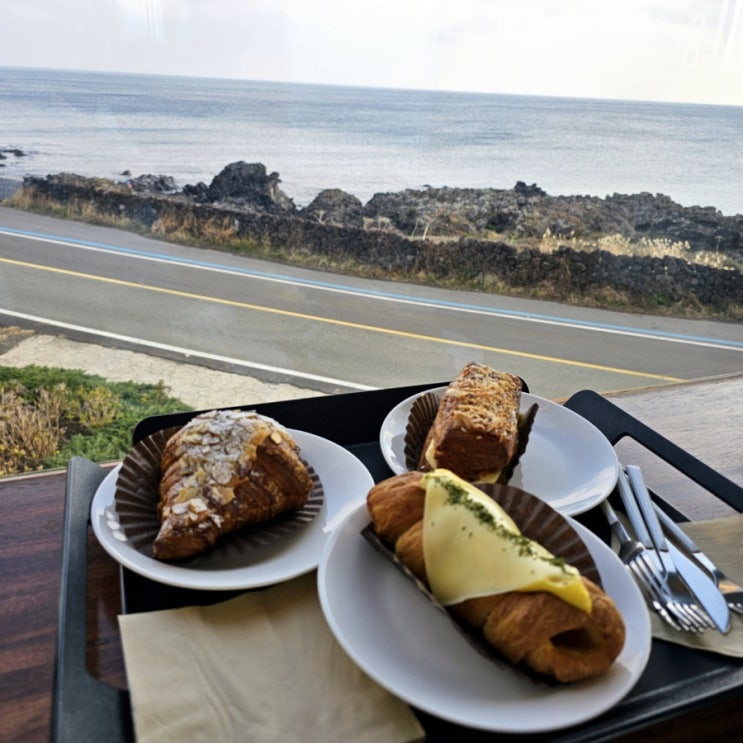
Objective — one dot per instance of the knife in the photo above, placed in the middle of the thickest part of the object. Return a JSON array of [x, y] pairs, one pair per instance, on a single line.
[[698, 581], [683, 539]]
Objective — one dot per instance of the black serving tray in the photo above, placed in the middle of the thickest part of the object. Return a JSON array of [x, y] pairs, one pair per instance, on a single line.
[[676, 679]]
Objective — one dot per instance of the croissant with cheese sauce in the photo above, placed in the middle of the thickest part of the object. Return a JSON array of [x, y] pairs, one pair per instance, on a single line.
[[527, 604], [223, 470]]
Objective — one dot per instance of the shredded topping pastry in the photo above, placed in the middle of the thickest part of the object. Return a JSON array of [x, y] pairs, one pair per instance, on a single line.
[[489, 386]]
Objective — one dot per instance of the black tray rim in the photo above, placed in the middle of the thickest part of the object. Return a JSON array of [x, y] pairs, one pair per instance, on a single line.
[[85, 708]]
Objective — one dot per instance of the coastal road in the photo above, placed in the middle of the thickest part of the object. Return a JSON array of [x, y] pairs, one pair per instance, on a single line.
[[328, 331]]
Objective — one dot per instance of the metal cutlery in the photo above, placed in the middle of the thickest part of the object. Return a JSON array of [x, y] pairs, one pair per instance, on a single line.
[[682, 574], [732, 592], [636, 560], [674, 595]]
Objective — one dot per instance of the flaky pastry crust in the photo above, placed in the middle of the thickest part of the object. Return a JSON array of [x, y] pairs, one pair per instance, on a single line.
[[223, 470], [475, 431], [538, 629]]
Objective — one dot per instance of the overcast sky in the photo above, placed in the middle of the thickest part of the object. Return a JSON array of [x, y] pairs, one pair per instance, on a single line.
[[664, 50]]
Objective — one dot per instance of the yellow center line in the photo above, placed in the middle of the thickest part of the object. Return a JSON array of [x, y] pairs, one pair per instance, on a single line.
[[342, 323]]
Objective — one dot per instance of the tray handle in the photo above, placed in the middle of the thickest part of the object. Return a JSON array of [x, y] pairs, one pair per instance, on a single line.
[[616, 423], [79, 698]]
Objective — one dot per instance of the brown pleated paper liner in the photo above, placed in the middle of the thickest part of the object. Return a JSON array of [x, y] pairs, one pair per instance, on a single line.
[[536, 520], [421, 417], [136, 499]]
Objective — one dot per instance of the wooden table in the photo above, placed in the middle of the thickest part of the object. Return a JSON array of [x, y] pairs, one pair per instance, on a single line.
[[705, 417]]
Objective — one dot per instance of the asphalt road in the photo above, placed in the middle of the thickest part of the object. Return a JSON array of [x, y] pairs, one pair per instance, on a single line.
[[328, 331]]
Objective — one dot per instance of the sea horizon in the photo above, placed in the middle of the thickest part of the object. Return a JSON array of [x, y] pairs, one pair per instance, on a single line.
[[367, 140], [336, 86]]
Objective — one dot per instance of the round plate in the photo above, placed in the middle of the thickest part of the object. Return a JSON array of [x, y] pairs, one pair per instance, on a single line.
[[345, 480], [568, 462], [416, 652]]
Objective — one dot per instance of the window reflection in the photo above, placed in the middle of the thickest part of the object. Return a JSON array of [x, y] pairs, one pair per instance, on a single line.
[[395, 140]]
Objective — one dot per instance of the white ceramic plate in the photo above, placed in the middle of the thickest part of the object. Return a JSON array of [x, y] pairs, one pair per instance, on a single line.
[[390, 629], [345, 481], [568, 462]]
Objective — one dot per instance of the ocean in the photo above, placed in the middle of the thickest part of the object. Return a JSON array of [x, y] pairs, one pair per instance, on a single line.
[[367, 140]]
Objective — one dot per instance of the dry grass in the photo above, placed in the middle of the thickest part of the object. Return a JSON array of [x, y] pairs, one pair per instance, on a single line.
[[658, 247], [75, 209], [31, 433], [49, 415], [34, 427], [218, 230]]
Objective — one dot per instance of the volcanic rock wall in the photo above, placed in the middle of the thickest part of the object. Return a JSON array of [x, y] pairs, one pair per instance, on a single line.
[[373, 235]]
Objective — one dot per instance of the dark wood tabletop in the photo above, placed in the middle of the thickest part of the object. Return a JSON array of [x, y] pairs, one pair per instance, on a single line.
[[704, 416]]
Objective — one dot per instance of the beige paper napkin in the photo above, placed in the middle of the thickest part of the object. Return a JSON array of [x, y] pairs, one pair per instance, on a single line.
[[261, 667], [722, 541]]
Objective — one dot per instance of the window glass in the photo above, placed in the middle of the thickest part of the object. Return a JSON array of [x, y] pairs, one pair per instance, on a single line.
[[327, 196]]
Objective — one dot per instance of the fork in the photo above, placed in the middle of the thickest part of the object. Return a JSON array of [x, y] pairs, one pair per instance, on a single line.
[[635, 558], [732, 592], [674, 594]]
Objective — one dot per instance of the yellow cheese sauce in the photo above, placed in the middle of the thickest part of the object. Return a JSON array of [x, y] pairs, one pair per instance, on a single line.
[[473, 548], [431, 455]]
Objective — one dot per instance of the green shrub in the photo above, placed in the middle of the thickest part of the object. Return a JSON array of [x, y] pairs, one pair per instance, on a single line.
[[48, 415]]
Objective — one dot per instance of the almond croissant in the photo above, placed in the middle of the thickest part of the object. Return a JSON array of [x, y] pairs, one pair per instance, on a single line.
[[223, 470]]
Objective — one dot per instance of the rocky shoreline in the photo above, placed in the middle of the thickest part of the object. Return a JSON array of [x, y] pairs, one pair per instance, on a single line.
[[485, 238], [14, 151], [525, 211]]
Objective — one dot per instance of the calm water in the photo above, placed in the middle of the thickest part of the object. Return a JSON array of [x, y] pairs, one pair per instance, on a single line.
[[366, 140]]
